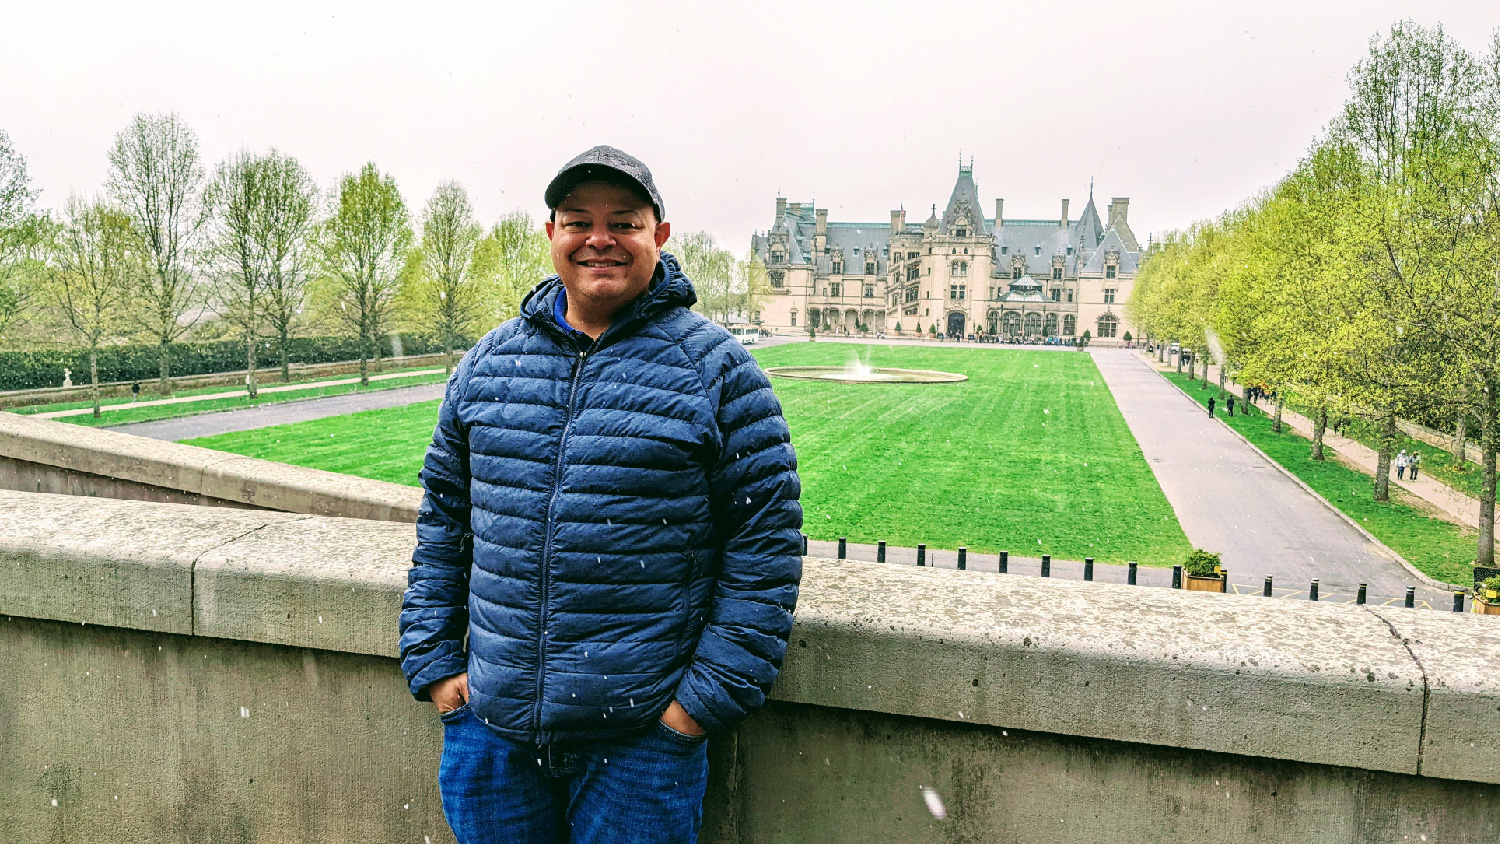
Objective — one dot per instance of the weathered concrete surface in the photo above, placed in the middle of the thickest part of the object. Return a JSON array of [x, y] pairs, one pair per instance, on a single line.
[[141, 736], [107, 562], [85, 456]]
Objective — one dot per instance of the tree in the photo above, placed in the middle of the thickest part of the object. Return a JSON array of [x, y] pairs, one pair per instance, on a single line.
[[233, 253], [512, 258], [363, 246], [21, 232], [445, 289], [753, 284], [155, 175], [290, 203], [96, 265], [712, 271]]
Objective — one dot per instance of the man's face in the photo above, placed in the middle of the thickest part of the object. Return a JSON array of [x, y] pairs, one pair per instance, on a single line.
[[605, 243]]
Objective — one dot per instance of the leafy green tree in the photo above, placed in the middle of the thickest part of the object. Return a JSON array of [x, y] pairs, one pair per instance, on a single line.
[[712, 271], [22, 232], [155, 175], [363, 246], [513, 257], [96, 263], [446, 290]]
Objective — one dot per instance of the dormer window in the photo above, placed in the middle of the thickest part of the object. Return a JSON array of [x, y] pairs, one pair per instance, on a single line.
[[838, 265], [1003, 250], [1109, 271], [961, 233], [1016, 272], [870, 267], [1037, 250]]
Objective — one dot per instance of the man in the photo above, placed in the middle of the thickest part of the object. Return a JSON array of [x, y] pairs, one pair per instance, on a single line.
[[1230, 405], [1211, 406], [611, 519]]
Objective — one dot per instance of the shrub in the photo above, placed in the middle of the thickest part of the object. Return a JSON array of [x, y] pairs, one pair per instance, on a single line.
[[1491, 584], [1202, 563]]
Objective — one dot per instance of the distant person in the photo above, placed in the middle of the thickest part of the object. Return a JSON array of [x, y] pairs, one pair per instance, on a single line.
[[135, 391], [1401, 463], [1413, 460], [1230, 405], [1211, 406]]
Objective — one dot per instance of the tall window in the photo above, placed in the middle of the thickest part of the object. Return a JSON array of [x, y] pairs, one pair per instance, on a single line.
[[836, 289], [1109, 271], [953, 268], [1057, 274], [870, 290], [838, 265], [912, 274], [794, 316], [1070, 296], [1068, 325], [1003, 250], [870, 268], [1109, 294], [1037, 250], [1057, 292], [956, 291], [1016, 272]]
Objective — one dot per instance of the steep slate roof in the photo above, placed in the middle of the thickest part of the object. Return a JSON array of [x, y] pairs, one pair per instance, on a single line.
[[1022, 237], [1088, 230], [966, 190], [857, 240], [1096, 264]]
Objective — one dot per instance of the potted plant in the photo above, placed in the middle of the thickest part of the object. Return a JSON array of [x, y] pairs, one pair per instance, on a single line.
[[1201, 572], [1486, 601]]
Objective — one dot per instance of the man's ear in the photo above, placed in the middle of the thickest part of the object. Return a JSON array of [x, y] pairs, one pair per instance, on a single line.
[[664, 231], [548, 226]]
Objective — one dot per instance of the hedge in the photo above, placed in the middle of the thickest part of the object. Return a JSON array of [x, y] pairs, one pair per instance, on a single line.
[[139, 362]]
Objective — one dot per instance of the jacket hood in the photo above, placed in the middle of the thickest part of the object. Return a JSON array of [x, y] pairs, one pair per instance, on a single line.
[[670, 288]]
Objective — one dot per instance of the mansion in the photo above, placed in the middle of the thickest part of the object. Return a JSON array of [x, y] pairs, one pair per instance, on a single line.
[[956, 273]]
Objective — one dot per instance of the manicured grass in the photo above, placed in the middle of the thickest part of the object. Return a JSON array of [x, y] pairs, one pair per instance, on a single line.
[[1030, 455], [1435, 546], [1437, 462], [120, 413]]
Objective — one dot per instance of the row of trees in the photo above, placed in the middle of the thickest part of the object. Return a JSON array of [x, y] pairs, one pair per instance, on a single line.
[[728, 289], [255, 248], [1365, 282]]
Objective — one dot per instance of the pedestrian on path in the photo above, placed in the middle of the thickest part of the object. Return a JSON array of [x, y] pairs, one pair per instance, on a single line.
[[1230, 405], [1412, 464], [1401, 463], [135, 391], [1211, 406]]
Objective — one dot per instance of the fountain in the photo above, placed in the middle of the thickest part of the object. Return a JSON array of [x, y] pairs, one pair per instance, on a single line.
[[859, 372]]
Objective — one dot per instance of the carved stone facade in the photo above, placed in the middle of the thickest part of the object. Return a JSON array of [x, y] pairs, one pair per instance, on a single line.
[[957, 273]]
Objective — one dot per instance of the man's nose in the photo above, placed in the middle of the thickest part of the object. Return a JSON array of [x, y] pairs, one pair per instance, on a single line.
[[600, 237]]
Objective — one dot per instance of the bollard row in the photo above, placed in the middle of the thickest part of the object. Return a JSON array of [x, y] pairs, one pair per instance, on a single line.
[[1004, 558]]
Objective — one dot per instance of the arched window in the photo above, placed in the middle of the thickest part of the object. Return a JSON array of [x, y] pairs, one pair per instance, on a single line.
[[1050, 325], [1068, 325], [1034, 323]]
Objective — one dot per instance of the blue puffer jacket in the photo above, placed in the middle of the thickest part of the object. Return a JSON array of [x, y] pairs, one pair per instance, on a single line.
[[612, 525]]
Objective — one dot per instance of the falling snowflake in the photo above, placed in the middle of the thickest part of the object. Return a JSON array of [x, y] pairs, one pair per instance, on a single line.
[[935, 803]]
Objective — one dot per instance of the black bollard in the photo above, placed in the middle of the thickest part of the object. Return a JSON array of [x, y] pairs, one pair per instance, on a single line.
[[1089, 569], [1047, 566], [1177, 576], [1131, 573], [1459, 601], [922, 554], [1412, 593], [1224, 580], [841, 548], [962, 552], [1005, 558], [1313, 590], [805, 545], [1266, 587], [881, 552], [1360, 595]]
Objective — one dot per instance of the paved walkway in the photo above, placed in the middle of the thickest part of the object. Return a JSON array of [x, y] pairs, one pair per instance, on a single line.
[[235, 394], [279, 413], [1448, 503], [1231, 500]]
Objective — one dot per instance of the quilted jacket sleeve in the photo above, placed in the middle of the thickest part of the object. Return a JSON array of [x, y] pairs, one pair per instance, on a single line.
[[435, 609], [756, 490]]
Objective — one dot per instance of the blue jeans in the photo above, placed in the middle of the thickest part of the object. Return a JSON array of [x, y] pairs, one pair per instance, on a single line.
[[648, 787]]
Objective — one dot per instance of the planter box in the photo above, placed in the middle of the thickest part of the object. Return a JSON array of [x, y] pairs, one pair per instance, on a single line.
[[1489, 608], [1204, 583]]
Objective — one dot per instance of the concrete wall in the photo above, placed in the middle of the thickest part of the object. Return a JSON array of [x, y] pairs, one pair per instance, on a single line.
[[171, 672]]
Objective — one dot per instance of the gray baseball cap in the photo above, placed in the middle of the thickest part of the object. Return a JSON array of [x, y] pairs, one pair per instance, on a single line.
[[603, 162]]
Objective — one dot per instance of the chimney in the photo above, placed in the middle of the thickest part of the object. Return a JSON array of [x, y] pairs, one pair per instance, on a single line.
[[1063, 223], [898, 221], [822, 225], [1118, 206], [1000, 206], [781, 208]]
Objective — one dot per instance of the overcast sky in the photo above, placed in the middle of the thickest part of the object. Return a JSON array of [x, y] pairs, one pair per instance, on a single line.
[[1185, 107]]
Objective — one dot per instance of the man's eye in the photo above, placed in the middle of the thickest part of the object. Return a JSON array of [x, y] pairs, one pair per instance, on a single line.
[[575, 224], [626, 226]]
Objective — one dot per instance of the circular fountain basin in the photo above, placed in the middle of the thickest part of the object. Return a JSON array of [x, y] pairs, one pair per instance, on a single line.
[[866, 375]]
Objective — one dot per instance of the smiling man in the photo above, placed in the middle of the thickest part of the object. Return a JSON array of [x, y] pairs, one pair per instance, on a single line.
[[607, 552]]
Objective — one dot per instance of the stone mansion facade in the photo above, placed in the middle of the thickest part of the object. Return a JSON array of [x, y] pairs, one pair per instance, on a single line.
[[957, 272]]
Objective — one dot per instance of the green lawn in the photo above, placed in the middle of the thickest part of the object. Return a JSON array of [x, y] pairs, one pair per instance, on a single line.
[[1030, 455], [1435, 546], [122, 411]]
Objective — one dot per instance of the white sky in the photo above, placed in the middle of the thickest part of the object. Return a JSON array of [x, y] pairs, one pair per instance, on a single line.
[[1185, 107]]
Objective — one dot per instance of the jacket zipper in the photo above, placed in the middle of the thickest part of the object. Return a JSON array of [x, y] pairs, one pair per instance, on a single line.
[[547, 526]]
